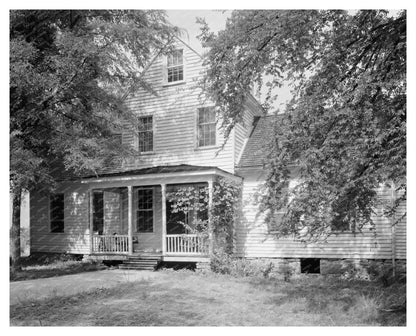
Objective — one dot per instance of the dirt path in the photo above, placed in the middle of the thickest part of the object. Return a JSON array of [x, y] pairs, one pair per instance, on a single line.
[[21, 291]]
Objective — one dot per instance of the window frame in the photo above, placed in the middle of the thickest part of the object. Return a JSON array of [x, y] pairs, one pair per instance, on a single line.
[[198, 146], [152, 131], [335, 230], [166, 69], [50, 213], [137, 209]]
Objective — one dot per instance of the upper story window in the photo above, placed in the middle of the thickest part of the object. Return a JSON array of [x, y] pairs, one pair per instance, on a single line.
[[175, 66], [339, 224], [56, 208], [207, 129], [145, 133], [144, 210]]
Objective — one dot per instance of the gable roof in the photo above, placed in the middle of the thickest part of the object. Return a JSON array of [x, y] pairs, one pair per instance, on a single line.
[[255, 151]]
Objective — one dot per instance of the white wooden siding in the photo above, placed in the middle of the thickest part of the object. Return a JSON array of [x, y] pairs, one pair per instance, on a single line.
[[75, 238], [400, 233], [254, 240], [242, 132], [174, 112]]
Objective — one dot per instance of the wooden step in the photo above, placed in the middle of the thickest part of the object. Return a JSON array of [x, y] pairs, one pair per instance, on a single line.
[[142, 262]]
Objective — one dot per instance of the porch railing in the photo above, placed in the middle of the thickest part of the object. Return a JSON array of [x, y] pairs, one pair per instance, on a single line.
[[186, 244], [110, 244]]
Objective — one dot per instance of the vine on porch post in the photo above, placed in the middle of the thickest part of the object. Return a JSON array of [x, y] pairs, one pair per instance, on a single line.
[[223, 214]]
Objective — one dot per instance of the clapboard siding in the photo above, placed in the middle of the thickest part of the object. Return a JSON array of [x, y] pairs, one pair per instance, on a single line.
[[254, 240], [174, 111], [75, 237], [242, 132], [400, 232]]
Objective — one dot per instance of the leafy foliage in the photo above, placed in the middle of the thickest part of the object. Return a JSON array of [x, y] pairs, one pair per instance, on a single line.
[[345, 128], [222, 215], [69, 73]]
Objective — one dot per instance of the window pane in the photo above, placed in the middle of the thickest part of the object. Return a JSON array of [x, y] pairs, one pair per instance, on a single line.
[[145, 199], [206, 127], [175, 66], [146, 134], [144, 221]]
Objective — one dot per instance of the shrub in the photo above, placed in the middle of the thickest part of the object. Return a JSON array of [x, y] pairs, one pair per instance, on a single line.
[[224, 263], [287, 271]]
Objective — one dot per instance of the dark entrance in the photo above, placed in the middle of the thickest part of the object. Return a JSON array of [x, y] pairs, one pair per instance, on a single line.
[[98, 212]]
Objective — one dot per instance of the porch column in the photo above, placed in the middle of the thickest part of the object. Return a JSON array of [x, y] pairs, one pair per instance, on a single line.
[[210, 229], [91, 219], [130, 217], [163, 218]]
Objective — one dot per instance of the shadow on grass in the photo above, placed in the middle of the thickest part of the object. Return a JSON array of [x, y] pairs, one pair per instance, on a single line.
[[39, 266], [369, 302]]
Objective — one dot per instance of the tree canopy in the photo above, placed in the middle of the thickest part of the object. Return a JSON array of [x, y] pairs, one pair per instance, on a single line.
[[69, 73], [345, 127]]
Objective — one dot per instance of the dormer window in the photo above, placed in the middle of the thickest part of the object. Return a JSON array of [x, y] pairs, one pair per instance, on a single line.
[[175, 66]]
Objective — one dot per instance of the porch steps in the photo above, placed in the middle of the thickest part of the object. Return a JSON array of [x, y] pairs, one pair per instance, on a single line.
[[141, 263]]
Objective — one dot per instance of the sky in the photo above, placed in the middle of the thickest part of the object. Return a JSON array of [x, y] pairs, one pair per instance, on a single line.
[[186, 19], [216, 19]]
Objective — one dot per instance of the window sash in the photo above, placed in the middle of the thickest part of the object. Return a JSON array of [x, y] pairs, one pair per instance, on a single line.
[[144, 210], [175, 66], [145, 134], [206, 127], [57, 213]]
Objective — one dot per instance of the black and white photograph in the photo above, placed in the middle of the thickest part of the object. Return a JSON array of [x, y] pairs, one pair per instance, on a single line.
[[207, 167]]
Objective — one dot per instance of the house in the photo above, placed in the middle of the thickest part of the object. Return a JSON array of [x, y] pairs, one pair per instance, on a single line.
[[124, 214]]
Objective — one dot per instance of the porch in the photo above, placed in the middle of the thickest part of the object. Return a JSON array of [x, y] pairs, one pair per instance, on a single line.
[[130, 214]]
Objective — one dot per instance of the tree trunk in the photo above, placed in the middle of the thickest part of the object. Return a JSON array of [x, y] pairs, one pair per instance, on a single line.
[[15, 231]]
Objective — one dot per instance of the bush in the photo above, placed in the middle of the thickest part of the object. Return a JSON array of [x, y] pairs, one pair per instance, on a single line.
[[384, 273], [287, 271], [224, 263]]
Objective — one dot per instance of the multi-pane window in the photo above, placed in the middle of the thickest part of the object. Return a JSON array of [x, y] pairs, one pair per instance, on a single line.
[[146, 134], [56, 207], [206, 127], [175, 66], [144, 210]]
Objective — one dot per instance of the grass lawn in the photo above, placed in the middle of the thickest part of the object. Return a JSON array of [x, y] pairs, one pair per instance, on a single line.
[[184, 298], [46, 266]]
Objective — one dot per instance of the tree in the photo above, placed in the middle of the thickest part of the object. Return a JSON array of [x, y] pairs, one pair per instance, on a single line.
[[69, 73], [345, 127]]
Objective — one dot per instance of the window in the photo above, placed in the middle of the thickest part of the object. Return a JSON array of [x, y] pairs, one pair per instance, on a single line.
[[144, 210], [342, 222], [56, 207], [98, 212], [145, 134], [206, 127], [274, 225], [175, 66]]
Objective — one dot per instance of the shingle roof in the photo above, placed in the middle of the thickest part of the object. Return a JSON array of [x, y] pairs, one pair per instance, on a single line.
[[255, 150]]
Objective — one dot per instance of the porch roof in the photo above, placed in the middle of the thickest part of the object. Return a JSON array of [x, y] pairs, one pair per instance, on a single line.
[[161, 171]]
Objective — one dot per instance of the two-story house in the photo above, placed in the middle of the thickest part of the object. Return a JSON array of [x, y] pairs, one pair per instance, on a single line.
[[125, 212]]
